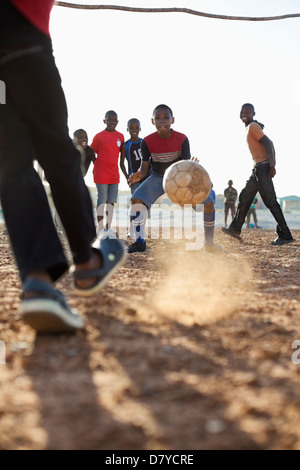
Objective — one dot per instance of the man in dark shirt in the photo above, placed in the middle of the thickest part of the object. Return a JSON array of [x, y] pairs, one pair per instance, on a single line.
[[230, 195]]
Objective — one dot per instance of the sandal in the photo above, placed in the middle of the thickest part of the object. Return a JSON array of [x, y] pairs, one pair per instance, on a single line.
[[46, 309], [232, 234], [113, 256]]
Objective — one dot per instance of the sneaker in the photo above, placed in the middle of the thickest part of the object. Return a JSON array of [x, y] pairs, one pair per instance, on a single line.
[[107, 233], [137, 247], [45, 309], [282, 241], [230, 232]]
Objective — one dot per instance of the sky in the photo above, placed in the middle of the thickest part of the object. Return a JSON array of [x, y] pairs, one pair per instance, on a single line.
[[204, 69]]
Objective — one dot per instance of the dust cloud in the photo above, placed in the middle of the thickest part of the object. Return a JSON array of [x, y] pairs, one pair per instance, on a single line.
[[200, 288]]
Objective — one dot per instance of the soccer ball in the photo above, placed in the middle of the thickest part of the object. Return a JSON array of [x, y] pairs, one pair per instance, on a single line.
[[186, 182]]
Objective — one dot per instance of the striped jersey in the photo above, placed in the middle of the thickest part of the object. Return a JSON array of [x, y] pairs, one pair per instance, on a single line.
[[161, 153], [133, 155]]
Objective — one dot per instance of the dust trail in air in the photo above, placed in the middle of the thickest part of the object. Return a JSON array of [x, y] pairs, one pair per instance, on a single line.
[[199, 288]]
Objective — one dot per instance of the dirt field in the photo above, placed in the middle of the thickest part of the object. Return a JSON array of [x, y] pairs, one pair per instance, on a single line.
[[182, 350]]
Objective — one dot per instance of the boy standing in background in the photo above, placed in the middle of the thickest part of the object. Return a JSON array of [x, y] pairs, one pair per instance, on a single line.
[[88, 155], [230, 195], [132, 153], [261, 180], [107, 146]]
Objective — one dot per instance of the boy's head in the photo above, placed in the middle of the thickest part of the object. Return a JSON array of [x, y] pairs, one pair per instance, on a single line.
[[247, 113], [162, 119], [80, 138], [230, 183], [111, 120], [134, 128]]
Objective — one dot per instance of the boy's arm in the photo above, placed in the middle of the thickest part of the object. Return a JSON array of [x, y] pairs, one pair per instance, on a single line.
[[185, 150], [89, 157], [140, 174], [144, 168], [122, 161], [268, 144]]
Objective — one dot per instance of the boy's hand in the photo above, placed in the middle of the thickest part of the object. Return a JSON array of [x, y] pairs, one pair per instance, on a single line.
[[134, 177], [272, 172]]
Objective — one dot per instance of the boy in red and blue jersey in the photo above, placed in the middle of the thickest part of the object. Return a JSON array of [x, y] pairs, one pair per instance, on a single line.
[[163, 148]]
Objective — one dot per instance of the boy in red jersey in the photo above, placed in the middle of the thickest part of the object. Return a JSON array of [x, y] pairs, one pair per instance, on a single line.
[[33, 126], [263, 155], [162, 149], [107, 146]]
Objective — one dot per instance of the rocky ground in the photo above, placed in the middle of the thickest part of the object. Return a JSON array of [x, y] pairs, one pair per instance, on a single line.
[[182, 350]]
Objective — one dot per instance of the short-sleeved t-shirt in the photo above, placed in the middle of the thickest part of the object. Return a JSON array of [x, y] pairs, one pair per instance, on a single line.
[[230, 194], [133, 155], [36, 11], [107, 147], [163, 152], [258, 150]]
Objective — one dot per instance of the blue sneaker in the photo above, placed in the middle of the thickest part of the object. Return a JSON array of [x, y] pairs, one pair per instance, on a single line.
[[113, 256], [45, 309]]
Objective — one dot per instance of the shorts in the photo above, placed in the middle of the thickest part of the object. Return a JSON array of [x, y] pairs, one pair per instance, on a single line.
[[152, 188], [229, 206], [107, 193], [134, 187]]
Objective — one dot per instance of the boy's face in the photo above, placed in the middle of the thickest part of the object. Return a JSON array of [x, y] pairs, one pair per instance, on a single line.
[[134, 129], [247, 114], [111, 122], [163, 120], [81, 139]]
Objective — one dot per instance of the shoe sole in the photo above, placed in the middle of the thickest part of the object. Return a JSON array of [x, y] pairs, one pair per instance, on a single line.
[[95, 289], [46, 316], [284, 243], [137, 251]]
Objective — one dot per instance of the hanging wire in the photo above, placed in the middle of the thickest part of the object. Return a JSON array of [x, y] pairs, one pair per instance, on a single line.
[[176, 10]]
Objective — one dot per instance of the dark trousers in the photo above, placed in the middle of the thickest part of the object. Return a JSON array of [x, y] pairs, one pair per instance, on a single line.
[[33, 126], [259, 182]]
